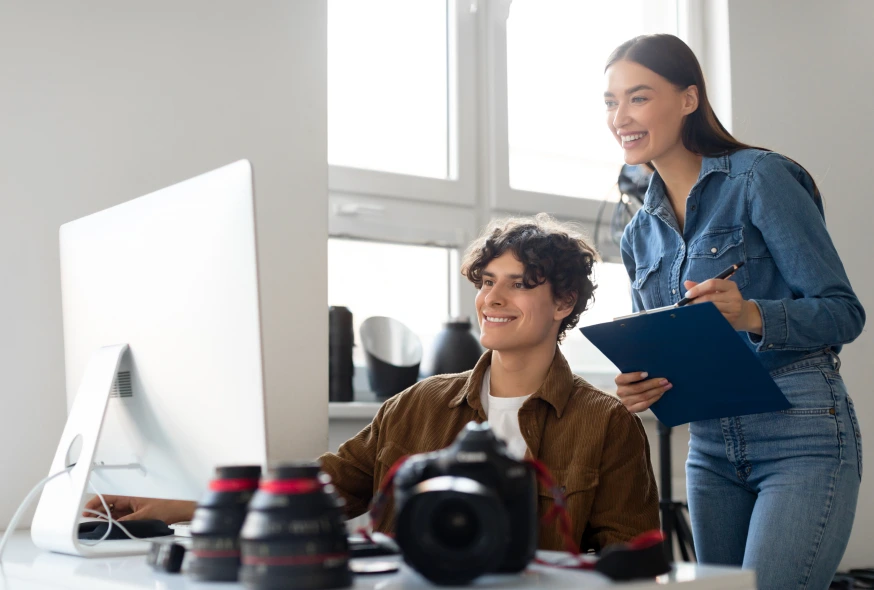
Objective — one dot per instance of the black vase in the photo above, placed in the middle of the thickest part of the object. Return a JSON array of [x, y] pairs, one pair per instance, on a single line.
[[456, 349], [340, 342]]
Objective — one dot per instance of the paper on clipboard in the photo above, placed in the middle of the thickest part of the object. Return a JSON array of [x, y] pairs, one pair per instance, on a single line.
[[713, 372]]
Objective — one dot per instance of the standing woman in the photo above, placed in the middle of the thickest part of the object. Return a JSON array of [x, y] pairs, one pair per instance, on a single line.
[[775, 492]]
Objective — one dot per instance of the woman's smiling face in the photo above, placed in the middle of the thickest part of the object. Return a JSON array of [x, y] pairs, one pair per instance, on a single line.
[[645, 112]]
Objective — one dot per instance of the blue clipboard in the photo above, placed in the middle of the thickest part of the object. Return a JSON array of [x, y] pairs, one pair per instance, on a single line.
[[713, 371]]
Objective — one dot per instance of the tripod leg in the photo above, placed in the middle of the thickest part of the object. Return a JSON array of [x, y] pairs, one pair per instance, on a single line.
[[668, 529], [681, 541], [666, 501], [684, 534]]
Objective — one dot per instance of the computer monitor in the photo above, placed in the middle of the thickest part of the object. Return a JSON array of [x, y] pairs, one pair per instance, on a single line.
[[162, 345]]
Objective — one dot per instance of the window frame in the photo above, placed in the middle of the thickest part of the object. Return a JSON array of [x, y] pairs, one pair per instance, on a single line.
[[397, 208], [501, 194], [460, 186]]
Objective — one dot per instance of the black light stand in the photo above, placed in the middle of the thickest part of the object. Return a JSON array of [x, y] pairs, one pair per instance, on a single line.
[[674, 523]]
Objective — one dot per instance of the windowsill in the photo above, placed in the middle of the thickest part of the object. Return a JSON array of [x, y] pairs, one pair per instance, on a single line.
[[365, 404], [367, 410]]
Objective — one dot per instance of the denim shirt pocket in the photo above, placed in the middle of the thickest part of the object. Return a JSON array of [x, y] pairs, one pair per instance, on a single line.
[[714, 251], [646, 283]]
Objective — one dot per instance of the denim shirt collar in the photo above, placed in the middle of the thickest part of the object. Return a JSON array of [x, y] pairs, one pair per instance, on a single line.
[[656, 192]]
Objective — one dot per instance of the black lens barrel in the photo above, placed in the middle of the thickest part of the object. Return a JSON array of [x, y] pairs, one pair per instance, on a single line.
[[218, 518], [294, 535]]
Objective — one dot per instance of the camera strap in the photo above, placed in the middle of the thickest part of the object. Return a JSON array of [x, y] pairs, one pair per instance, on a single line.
[[643, 556], [380, 499]]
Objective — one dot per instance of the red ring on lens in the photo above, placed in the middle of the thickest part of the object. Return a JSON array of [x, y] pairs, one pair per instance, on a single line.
[[291, 486], [233, 485]]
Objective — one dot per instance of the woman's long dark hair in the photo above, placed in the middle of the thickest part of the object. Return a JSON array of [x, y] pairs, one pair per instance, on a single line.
[[669, 57]]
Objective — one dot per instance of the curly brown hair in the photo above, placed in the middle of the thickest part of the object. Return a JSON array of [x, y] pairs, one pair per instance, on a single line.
[[551, 251]]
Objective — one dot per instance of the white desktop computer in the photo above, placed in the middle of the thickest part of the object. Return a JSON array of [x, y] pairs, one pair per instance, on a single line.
[[162, 343]]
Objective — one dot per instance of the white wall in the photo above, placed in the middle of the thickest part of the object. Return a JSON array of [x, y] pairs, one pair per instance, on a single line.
[[104, 101], [802, 77]]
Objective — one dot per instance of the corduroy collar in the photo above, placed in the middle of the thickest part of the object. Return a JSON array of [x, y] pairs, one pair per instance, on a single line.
[[555, 390]]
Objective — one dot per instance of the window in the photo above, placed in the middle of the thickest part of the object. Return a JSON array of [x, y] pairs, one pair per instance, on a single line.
[[557, 143], [445, 113], [612, 299], [401, 99], [411, 284], [387, 86]]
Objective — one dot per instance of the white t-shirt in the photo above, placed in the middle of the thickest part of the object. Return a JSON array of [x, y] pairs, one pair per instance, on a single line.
[[503, 417]]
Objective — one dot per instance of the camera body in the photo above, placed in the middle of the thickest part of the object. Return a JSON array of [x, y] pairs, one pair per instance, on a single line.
[[466, 510]]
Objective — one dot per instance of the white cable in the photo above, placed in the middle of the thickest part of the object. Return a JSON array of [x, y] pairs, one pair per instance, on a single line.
[[107, 515], [25, 504], [13, 524]]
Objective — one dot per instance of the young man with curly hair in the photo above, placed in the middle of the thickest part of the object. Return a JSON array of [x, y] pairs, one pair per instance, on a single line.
[[534, 279]]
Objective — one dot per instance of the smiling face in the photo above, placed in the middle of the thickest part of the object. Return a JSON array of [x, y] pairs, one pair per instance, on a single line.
[[512, 316], [645, 112]]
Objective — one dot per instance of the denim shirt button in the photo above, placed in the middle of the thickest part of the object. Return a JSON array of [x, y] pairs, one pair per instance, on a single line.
[[673, 291], [770, 346], [692, 208], [713, 250]]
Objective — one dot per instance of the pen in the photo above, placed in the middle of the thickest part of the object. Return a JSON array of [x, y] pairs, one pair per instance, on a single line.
[[723, 275], [685, 300]]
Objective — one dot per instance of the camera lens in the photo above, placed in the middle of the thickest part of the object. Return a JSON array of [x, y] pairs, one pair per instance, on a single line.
[[294, 535], [455, 524], [452, 529], [215, 528]]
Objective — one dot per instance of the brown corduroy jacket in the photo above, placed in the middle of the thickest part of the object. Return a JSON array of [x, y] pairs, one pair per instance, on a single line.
[[595, 449]]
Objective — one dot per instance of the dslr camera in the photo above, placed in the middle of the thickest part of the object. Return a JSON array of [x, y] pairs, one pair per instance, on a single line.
[[466, 510]]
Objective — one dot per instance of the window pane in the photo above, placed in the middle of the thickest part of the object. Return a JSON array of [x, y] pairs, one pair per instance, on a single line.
[[556, 50], [387, 86], [407, 283], [612, 299]]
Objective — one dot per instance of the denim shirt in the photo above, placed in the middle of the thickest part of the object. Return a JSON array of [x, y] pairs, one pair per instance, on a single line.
[[757, 207]]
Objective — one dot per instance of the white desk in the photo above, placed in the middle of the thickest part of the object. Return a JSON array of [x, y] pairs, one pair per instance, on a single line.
[[28, 568]]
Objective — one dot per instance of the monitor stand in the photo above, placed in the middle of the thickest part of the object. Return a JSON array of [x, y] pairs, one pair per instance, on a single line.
[[56, 522]]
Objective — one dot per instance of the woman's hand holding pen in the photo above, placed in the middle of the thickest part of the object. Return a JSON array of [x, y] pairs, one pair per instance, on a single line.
[[637, 393], [743, 315]]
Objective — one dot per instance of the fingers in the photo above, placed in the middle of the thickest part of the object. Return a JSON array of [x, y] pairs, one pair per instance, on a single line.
[[636, 394], [138, 515], [626, 378], [639, 402], [697, 290], [642, 405], [114, 503], [641, 387], [169, 511]]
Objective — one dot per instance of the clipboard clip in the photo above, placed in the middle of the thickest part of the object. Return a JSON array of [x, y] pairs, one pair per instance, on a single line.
[[645, 312]]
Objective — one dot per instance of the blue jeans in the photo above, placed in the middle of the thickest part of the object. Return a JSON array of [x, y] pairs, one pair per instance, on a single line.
[[777, 492]]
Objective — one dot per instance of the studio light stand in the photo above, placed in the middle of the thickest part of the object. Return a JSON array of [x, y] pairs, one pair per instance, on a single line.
[[674, 523]]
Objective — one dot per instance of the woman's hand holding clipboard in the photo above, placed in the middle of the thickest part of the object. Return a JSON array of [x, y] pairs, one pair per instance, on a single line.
[[635, 389]]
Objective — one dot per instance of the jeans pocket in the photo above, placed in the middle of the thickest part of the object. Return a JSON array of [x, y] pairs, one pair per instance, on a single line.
[[809, 391], [857, 434]]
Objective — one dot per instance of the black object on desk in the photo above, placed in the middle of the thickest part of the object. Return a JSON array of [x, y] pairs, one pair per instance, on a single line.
[[361, 547], [142, 529], [341, 338], [166, 556]]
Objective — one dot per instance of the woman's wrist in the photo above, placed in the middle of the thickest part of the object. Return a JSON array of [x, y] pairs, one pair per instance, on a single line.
[[753, 318]]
